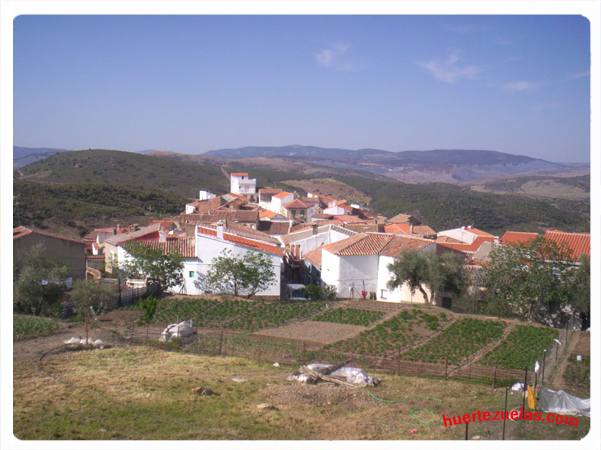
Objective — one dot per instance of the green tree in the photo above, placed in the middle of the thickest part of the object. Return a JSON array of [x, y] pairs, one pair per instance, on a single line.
[[39, 282], [149, 307], [579, 290], [90, 299], [152, 264], [527, 281], [439, 273], [240, 275]]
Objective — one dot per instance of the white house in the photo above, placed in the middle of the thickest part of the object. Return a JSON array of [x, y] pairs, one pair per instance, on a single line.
[[279, 200], [241, 184], [360, 263], [467, 235], [314, 236], [211, 241]]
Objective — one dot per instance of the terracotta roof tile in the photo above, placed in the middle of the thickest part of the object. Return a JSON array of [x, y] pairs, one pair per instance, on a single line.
[[296, 204], [21, 231], [253, 243], [282, 194], [182, 247], [314, 257], [577, 244], [365, 244], [517, 237]]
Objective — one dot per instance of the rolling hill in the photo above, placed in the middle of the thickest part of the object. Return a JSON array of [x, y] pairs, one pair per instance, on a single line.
[[449, 166], [83, 189], [27, 155]]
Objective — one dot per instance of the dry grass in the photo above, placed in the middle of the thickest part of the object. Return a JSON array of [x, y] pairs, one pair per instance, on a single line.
[[145, 393]]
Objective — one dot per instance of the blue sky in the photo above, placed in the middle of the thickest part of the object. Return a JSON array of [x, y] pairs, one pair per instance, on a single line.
[[196, 83]]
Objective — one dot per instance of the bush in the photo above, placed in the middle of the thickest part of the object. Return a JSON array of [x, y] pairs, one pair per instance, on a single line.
[[32, 326]]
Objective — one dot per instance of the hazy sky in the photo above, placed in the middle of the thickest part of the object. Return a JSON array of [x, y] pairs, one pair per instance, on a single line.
[[192, 84]]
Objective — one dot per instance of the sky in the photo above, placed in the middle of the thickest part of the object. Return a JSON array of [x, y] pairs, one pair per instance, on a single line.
[[517, 84]]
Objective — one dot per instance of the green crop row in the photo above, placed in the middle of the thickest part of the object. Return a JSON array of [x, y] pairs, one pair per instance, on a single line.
[[350, 316], [387, 337], [461, 339], [236, 314], [522, 347]]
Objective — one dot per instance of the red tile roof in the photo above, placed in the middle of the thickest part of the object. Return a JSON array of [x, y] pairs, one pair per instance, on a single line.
[[239, 174], [243, 241], [122, 238], [266, 214], [517, 237], [182, 247], [576, 244], [282, 194], [314, 257], [206, 206], [401, 218], [479, 232], [296, 204], [405, 228], [462, 246], [366, 244], [21, 231]]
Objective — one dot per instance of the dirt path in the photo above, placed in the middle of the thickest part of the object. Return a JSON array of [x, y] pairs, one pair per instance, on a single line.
[[557, 378]]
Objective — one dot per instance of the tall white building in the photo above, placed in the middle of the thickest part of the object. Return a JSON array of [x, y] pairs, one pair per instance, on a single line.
[[241, 184]]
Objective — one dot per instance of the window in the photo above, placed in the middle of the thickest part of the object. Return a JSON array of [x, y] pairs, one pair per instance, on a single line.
[[191, 274]]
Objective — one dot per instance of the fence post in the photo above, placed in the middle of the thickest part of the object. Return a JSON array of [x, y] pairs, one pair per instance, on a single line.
[[505, 411], [542, 378], [446, 367], [525, 389], [221, 342], [494, 377]]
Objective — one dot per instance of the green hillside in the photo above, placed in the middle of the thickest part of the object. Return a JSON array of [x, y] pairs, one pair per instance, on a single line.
[[126, 169], [84, 189], [446, 206]]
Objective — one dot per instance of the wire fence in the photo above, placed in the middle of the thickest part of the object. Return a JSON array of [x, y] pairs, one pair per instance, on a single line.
[[229, 342]]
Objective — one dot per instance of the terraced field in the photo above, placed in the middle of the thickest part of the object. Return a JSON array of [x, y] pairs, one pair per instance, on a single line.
[[461, 339], [521, 348], [235, 314], [400, 331], [350, 316]]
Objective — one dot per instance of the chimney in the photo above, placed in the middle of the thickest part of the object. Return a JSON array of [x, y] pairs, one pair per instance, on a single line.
[[314, 228], [162, 236], [220, 229], [410, 227]]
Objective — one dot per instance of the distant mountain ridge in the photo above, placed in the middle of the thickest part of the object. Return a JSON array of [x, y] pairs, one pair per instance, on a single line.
[[26, 155], [450, 166]]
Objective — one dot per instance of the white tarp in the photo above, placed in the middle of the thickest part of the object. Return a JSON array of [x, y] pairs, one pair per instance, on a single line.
[[177, 330], [353, 375], [563, 403]]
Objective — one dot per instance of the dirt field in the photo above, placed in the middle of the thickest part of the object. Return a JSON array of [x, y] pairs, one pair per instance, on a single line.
[[313, 331], [144, 393]]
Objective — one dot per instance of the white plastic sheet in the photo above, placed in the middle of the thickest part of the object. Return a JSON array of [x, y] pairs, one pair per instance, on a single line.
[[563, 403], [177, 330]]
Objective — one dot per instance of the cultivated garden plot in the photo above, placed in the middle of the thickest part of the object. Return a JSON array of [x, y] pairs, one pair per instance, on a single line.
[[234, 314], [387, 337], [461, 339], [522, 347], [25, 327], [350, 316]]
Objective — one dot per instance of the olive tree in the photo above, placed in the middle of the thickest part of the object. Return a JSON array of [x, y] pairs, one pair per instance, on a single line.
[[39, 282], [244, 274]]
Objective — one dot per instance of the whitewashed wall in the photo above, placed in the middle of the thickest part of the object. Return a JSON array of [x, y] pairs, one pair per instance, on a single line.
[[209, 247], [346, 272]]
